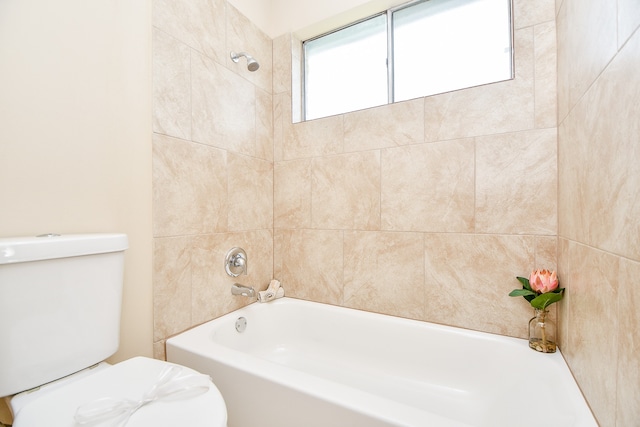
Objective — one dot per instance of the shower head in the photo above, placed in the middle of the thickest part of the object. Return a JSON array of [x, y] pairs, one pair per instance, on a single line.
[[252, 64]]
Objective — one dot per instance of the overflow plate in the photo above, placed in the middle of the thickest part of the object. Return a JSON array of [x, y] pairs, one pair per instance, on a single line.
[[241, 324]]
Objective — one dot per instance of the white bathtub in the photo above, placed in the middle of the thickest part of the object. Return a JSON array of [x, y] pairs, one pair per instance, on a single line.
[[305, 364]]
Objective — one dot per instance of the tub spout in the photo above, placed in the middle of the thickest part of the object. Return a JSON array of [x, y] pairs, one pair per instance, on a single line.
[[245, 291]]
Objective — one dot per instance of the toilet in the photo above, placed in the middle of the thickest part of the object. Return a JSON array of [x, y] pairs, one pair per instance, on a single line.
[[60, 302]]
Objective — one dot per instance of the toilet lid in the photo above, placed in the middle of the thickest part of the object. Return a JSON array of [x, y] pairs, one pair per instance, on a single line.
[[130, 379]]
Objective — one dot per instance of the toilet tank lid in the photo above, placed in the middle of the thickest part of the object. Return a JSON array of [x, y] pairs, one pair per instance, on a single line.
[[50, 246]]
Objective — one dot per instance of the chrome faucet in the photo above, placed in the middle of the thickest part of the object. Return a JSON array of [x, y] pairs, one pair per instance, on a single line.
[[245, 291]]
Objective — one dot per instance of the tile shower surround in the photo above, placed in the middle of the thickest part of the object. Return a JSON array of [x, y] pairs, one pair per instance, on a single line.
[[425, 209], [598, 203]]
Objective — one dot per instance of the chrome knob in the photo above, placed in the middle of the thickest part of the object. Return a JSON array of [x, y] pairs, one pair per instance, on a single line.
[[235, 263]]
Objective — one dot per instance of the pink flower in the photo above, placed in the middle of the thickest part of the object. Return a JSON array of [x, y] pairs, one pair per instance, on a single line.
[[543, 281]]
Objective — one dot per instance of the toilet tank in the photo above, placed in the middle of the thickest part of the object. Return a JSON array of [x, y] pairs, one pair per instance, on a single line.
[[60, 301]]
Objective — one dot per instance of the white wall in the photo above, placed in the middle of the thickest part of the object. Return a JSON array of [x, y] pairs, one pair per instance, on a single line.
[[307, 17], [75, 133]]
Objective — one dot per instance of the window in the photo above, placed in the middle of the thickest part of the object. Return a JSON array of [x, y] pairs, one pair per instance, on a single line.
[[420, 49], [336, 63]]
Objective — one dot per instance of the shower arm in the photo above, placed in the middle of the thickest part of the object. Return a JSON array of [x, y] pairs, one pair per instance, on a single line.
[[252, 64]]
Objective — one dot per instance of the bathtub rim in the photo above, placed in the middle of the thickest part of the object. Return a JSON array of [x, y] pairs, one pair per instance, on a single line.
[[359, 400]]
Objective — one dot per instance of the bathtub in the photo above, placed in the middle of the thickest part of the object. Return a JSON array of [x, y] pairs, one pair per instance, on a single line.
[[294, 363]]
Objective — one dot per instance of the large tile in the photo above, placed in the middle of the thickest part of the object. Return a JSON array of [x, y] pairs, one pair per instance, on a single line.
[[563, 65], [593, 327], [489, 109], [527, 13], [468, 279], [628, 392], [600, 179], [224, 107], [384, 272], [391, 125], [171, 86], [197, 23], [250, 193], [309, 264], [572, 181], [319, 137], [210, 294], [189, 187], [429, 187], [547, 252], [281, 123], [282, 64], [544, 37], [616, 152], [159, 350], [563, 306], [292, 194], [171, 286], [587, 34], [516, 183], [244, 36], [345, 191], [297, 80], [264, 125]]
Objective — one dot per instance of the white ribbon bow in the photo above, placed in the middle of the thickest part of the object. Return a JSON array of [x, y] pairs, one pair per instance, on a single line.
[[170, 386]]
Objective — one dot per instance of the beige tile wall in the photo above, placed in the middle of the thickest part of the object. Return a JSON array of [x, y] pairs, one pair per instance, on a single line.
[[599, 202], [428, 208], [425, 209], [212, 161]]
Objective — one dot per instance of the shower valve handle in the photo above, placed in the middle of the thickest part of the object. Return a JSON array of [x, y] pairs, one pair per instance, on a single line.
[[235, 262]]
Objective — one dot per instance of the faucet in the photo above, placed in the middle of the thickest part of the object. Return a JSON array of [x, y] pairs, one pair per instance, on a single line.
[[245, 291]]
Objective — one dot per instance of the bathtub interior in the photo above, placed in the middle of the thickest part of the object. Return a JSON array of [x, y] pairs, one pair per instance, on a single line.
[[418, 368]]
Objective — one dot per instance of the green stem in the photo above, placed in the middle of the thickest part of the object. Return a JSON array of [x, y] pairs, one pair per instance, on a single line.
[[543, 330]]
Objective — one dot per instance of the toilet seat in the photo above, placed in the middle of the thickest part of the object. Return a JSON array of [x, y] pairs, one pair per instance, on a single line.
[[130, 379]]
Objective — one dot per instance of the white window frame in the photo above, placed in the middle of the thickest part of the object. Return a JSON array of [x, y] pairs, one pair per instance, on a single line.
[[390, 53]]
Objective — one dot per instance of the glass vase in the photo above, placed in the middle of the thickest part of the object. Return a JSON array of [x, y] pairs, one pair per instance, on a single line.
[[542, 332]]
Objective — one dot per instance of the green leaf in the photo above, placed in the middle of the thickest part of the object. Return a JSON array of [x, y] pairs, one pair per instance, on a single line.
[[525, 283], [521, 293], [545, 300]]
